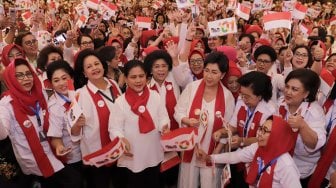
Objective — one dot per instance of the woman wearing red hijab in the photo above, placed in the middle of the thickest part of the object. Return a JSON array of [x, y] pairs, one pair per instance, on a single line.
[[24, 118], [270, 163]]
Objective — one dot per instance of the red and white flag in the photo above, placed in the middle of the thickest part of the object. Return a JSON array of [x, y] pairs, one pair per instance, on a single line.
[[313, 13], [333, 21], [181, 139], [243, 11], [299, 11], [277, 20], [92, 4], [170, 160], [232, 4], [26, 16], [107, 10], [82, 9], [81, 21], [143, 22], [327, 82], [304, 30], [158, 4]]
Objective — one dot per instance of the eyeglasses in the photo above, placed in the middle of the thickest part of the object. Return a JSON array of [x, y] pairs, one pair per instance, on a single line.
[[298, 54], [86, 43], [263, 130], [30, 42], [196, 61], [264, 61], [245, 97], [21, 76]]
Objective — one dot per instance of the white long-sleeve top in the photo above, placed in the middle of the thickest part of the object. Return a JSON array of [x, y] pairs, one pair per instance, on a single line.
[[286, 174], [10, 127], [146, 148], [331, 116]]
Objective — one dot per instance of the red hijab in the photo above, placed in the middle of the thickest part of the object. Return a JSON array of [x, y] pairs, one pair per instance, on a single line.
[[24, 98], [198, 76], [6, 50], [281, 140], [233, 71]]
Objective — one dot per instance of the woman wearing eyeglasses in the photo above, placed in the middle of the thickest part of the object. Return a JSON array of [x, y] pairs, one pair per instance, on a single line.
[[97, 95], [210, 96], [305, 116], [29, 45], [24, 118], [271, 164], [253, 107]]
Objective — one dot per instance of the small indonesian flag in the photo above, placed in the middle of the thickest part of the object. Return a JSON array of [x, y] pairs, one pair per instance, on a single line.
[[82, 9], [81, 21], [107, 155], [313, 13], [26, 16], [232, 4], [243, 11], [170, 160], [181, 139], [143, 22], [93, 4], [277, 20], [304, 30], [327, 81], [333, 21], [107, 10], [158, 4], [299, 11]]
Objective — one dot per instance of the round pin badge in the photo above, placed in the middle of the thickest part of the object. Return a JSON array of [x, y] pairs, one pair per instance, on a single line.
[[27, 123], [169, 87], [252, 126], [141, 109], [44, 112], [101, 103]]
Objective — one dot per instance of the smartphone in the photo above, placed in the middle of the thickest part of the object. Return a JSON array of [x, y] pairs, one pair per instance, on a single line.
[[60, 38], [129, 24]]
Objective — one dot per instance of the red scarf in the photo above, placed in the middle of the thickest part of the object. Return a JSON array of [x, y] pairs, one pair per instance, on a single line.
[[103, 112], [22, 101], [274, 149], [327, 104], [170, 103], [138, 105], [241, 117], [328, 155], [197, 104]]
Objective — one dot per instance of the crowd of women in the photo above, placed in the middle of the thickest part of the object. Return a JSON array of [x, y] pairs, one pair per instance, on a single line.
[[269, 98]]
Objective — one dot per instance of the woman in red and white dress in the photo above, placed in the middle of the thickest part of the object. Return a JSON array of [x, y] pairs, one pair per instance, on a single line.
[[97, 95], [138, 117], [207, 95], [24, 118]]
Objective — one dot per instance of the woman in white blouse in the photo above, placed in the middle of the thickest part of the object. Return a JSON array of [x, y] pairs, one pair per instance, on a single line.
[[302, 112], [209, 97], [138, 117]]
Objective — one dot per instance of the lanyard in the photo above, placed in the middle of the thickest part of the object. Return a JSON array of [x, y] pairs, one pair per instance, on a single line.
[[250, 114], [106, 97], [36, 112], [330, 121], [262, 169], [66, 99]]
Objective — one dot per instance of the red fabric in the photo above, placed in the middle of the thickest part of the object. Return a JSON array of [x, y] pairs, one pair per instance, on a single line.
[[280, 131], [5, 53], [174, 39], [328, 155], [103, 114], [262, 42], [197, 104], [114, 39], [22, 101], [47, 84], [170, 103], [198, 76], [233, 71], [327, 104], [145, 35], [242, 117], [149, 50], [229, 51], [194, 43], [254, 28], [137, 102]]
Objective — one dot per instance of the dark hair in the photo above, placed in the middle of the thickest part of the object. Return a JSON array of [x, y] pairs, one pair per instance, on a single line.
[[132, 64], [153, 38], [57, 65], [160, 14], [80, 37], [332, 39], [106, 24], [151, 58], [19, 39], [42, 58], [79, 78], [330, 56], [322, 33], [106, 53], [259, 82], [244, 35], [59, 32], [332, 95], [309, 79], [310, 56], [217, 58], [264, 49], [129, 29], [282, 48]]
